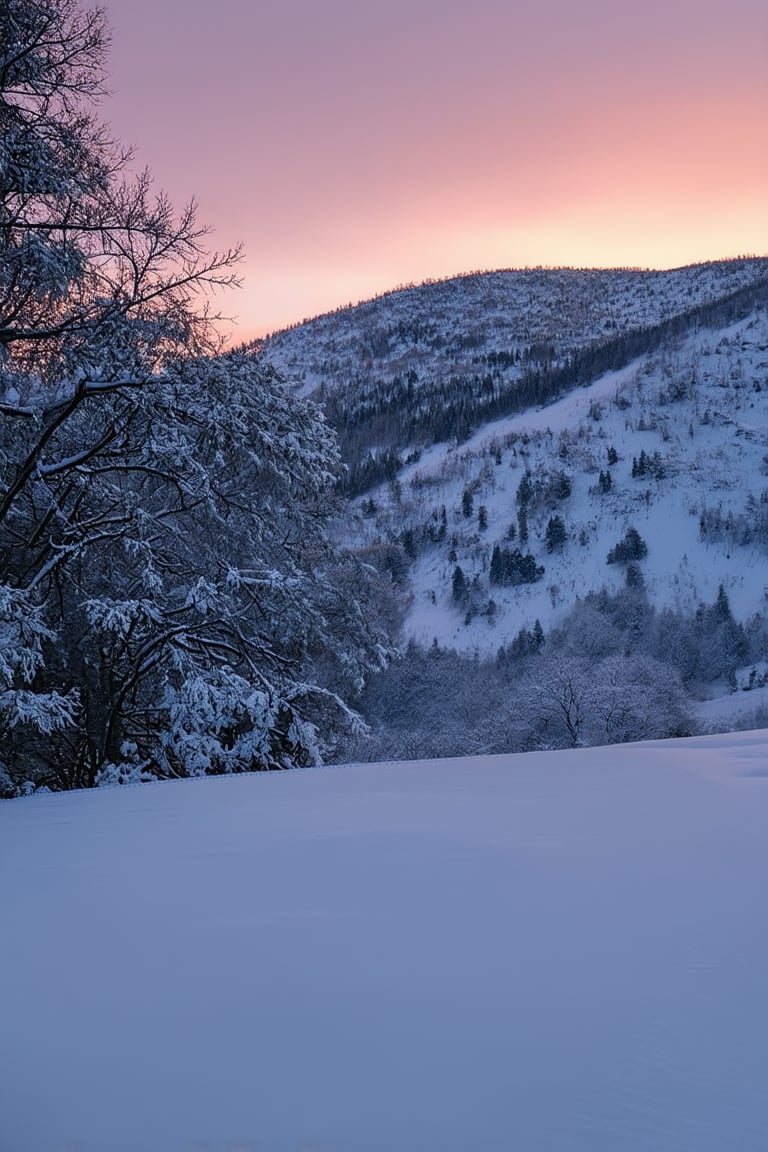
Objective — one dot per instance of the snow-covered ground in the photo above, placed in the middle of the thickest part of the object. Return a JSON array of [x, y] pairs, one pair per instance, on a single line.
[[551, 952], [730, 708]]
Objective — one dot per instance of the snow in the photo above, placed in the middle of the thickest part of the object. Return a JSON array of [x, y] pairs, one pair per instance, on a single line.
[[729, 709], [555, 952], [713, 441], [437, 327]]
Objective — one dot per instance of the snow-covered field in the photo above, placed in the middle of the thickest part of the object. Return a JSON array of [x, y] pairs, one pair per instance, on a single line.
[[545, 953]]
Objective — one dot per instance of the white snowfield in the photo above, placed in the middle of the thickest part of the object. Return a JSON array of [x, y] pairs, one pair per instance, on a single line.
[[553, 952]]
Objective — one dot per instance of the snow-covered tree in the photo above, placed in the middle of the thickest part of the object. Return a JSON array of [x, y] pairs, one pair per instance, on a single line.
[[169, 601], [569, 702]]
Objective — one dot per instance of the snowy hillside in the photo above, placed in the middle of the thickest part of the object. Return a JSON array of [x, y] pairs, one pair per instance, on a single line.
[[449, 327], [435, 363], [564, 952], [675, 446], [674, 443]]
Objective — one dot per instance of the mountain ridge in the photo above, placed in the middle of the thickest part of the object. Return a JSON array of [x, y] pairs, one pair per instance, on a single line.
[[662, 429], [434, 363]]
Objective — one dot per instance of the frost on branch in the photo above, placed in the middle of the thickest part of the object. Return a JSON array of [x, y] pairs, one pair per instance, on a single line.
[[22, 633], [219, 723], [166, 576]]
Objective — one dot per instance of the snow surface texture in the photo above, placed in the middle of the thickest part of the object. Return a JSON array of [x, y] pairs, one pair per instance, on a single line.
[[556, 952]]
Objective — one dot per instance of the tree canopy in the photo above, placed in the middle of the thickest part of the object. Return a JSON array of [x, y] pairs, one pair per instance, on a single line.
[[170, 603]]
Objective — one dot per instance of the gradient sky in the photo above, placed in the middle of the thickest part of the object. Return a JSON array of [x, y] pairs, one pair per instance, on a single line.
[[353, 146]]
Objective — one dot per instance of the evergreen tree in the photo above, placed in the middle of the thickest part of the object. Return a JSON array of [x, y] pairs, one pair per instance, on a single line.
[[722, 606], [633, 577], [512, 567], [459, 585], [524, 490], [522, 524], [496, 574], [630, 548], [560, 486], [556, 534]]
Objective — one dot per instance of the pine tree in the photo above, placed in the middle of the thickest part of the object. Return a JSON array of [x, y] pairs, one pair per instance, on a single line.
[[496, 573], [522, 524], [524, 489], [556, 534], [630, 548], [723, 606], [459, 585]]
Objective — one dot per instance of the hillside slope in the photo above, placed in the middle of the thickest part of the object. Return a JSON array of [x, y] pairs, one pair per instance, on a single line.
[[443, 325], [559, 951], [674, 446], [435, 362]]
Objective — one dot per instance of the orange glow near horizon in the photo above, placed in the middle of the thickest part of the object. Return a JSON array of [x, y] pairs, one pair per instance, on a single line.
[[355, 147]]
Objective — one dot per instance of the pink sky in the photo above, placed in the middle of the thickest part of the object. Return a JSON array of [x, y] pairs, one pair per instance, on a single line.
[[355, 146]]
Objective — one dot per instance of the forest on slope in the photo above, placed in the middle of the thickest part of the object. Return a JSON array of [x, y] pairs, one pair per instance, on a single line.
[[434, 364]]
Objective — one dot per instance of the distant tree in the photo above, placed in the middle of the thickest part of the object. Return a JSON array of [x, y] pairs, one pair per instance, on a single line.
[[568, 702], [633, 577], [522, 524], [613, 456], [496, 573], [511, 567], [556, 700], [409, 544], [524, 490], [630, 548], [722, 610], [560, 486], [466, 503], [459, 585], [522, 646], [482, 517], [556, 534]]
